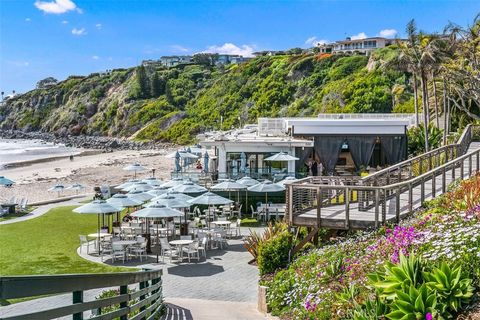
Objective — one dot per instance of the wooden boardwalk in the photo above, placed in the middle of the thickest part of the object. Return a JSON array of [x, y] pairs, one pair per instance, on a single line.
[[349, 216]]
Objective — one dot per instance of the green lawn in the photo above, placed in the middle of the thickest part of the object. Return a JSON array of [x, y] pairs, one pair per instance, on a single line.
[[47, 245]]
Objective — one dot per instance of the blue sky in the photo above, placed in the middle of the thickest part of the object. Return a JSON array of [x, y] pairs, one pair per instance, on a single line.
[[40, 38]]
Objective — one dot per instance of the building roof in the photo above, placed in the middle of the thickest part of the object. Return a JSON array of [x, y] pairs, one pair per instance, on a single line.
[[364, 39]]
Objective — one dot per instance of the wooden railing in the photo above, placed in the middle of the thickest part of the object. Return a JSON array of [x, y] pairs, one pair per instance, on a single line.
[[309, 194], [143, 303]]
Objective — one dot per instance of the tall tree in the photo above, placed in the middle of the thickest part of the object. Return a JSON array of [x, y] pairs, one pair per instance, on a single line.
[[157, 86], [142, 82]]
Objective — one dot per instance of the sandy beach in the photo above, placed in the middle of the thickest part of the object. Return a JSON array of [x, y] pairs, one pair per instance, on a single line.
[[33, 180]]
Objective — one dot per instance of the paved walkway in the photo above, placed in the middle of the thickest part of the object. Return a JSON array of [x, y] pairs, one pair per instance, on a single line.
[[222, 286], [42, 209]]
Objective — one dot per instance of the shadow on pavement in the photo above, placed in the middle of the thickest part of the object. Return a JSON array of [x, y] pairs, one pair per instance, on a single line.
[[195, 270]]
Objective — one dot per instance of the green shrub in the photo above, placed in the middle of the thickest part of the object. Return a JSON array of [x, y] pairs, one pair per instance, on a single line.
[[273, 254]]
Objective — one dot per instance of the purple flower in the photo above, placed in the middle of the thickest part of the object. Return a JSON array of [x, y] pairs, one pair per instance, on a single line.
[[428, 316]]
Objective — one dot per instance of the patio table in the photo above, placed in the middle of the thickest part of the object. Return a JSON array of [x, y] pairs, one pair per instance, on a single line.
[[179, 244], [125, 244]]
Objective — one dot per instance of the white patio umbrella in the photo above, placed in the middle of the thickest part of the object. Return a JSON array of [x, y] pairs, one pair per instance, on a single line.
[[5, 181], [135, 167], [58, 188], [210, 199], [126, 184], [281, 156], [287, 180], [189, 187], [230, 185], [172, 183], [247, 181], [266, 187], [177, 195], [97, 207], [154, 182], [157, 212], [139, 195], [123, 201], [183, 154], [158, 191], [168, 201], [140, 186]]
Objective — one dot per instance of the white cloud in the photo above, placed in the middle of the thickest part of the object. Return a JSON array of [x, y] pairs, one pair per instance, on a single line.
[[95, 57], [18, 63], [361, 35], [79, 32], [56, 6], [388, 33], [98, 26], [64, 22], [313, 41], [28, 19], [230, 48], [178, 48]]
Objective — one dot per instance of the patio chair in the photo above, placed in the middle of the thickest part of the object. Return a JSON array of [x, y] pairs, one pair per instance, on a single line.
[[117, 231], [192, 251], [140, 250], [255, 213], [106, 248], [220, 238], [196, 211], [203, 246], [118, 251], [234, 229], [192, 228], [84, 240], [238, 212], [166, 249], [23, 206]]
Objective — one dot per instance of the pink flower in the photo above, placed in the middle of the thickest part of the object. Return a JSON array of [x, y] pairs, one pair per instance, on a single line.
[[428, 316]]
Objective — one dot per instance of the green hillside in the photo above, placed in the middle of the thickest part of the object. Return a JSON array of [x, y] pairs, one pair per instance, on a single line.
[[173, 104]]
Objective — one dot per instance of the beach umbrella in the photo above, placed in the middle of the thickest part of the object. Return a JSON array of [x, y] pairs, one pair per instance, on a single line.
[[5, 181], [152, 181], [126, 184], [210, 199], [98, 207], [158, 191], [197, 150], [287, 180], [139, 195], [139, 186], [172, 183], [135, 167], [281, 156], [175, 194], [243, 162], [178, 167], [157, 212], [205, 161], [77, 187], [189, 187], [123, 201], [58, 188], [247, 181]]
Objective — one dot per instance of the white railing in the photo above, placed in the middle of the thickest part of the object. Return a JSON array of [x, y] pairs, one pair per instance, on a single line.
[[272, 127]]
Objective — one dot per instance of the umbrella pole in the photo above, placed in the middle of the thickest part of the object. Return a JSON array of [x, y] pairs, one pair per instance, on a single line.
[[158, 242], [266, 207], [98, 239], [246, 201]]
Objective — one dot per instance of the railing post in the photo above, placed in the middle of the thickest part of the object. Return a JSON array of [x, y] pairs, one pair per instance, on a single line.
[[444, 182], [461, 169], [434, 185], [143, 285], [397, 205], [290, 203], [478, 161], [377, 209], [470, 165], [454, 166], [319, 207], [410, 198], [124, 290], [78, 298], [347, 208], [422, 190], [384, 205]]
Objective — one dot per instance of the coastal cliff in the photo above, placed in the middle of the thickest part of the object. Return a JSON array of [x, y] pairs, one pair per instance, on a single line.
[[174, 104]]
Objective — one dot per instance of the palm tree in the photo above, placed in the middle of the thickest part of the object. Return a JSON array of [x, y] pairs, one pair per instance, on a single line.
[[2, 94]]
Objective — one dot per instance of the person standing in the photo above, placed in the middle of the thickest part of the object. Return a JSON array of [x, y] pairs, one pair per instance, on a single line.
[[314, 168]]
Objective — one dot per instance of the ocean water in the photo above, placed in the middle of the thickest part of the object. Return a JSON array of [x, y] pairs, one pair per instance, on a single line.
[[17, 151]]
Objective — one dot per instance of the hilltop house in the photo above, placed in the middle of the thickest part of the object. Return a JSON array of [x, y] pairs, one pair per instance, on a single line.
[[350, 46]]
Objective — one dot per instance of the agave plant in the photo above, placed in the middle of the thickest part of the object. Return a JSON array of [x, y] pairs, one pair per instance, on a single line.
[[414, 303], [254, 239]]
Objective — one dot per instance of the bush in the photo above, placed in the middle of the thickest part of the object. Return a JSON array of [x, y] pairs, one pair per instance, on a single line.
[[273, 254]]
